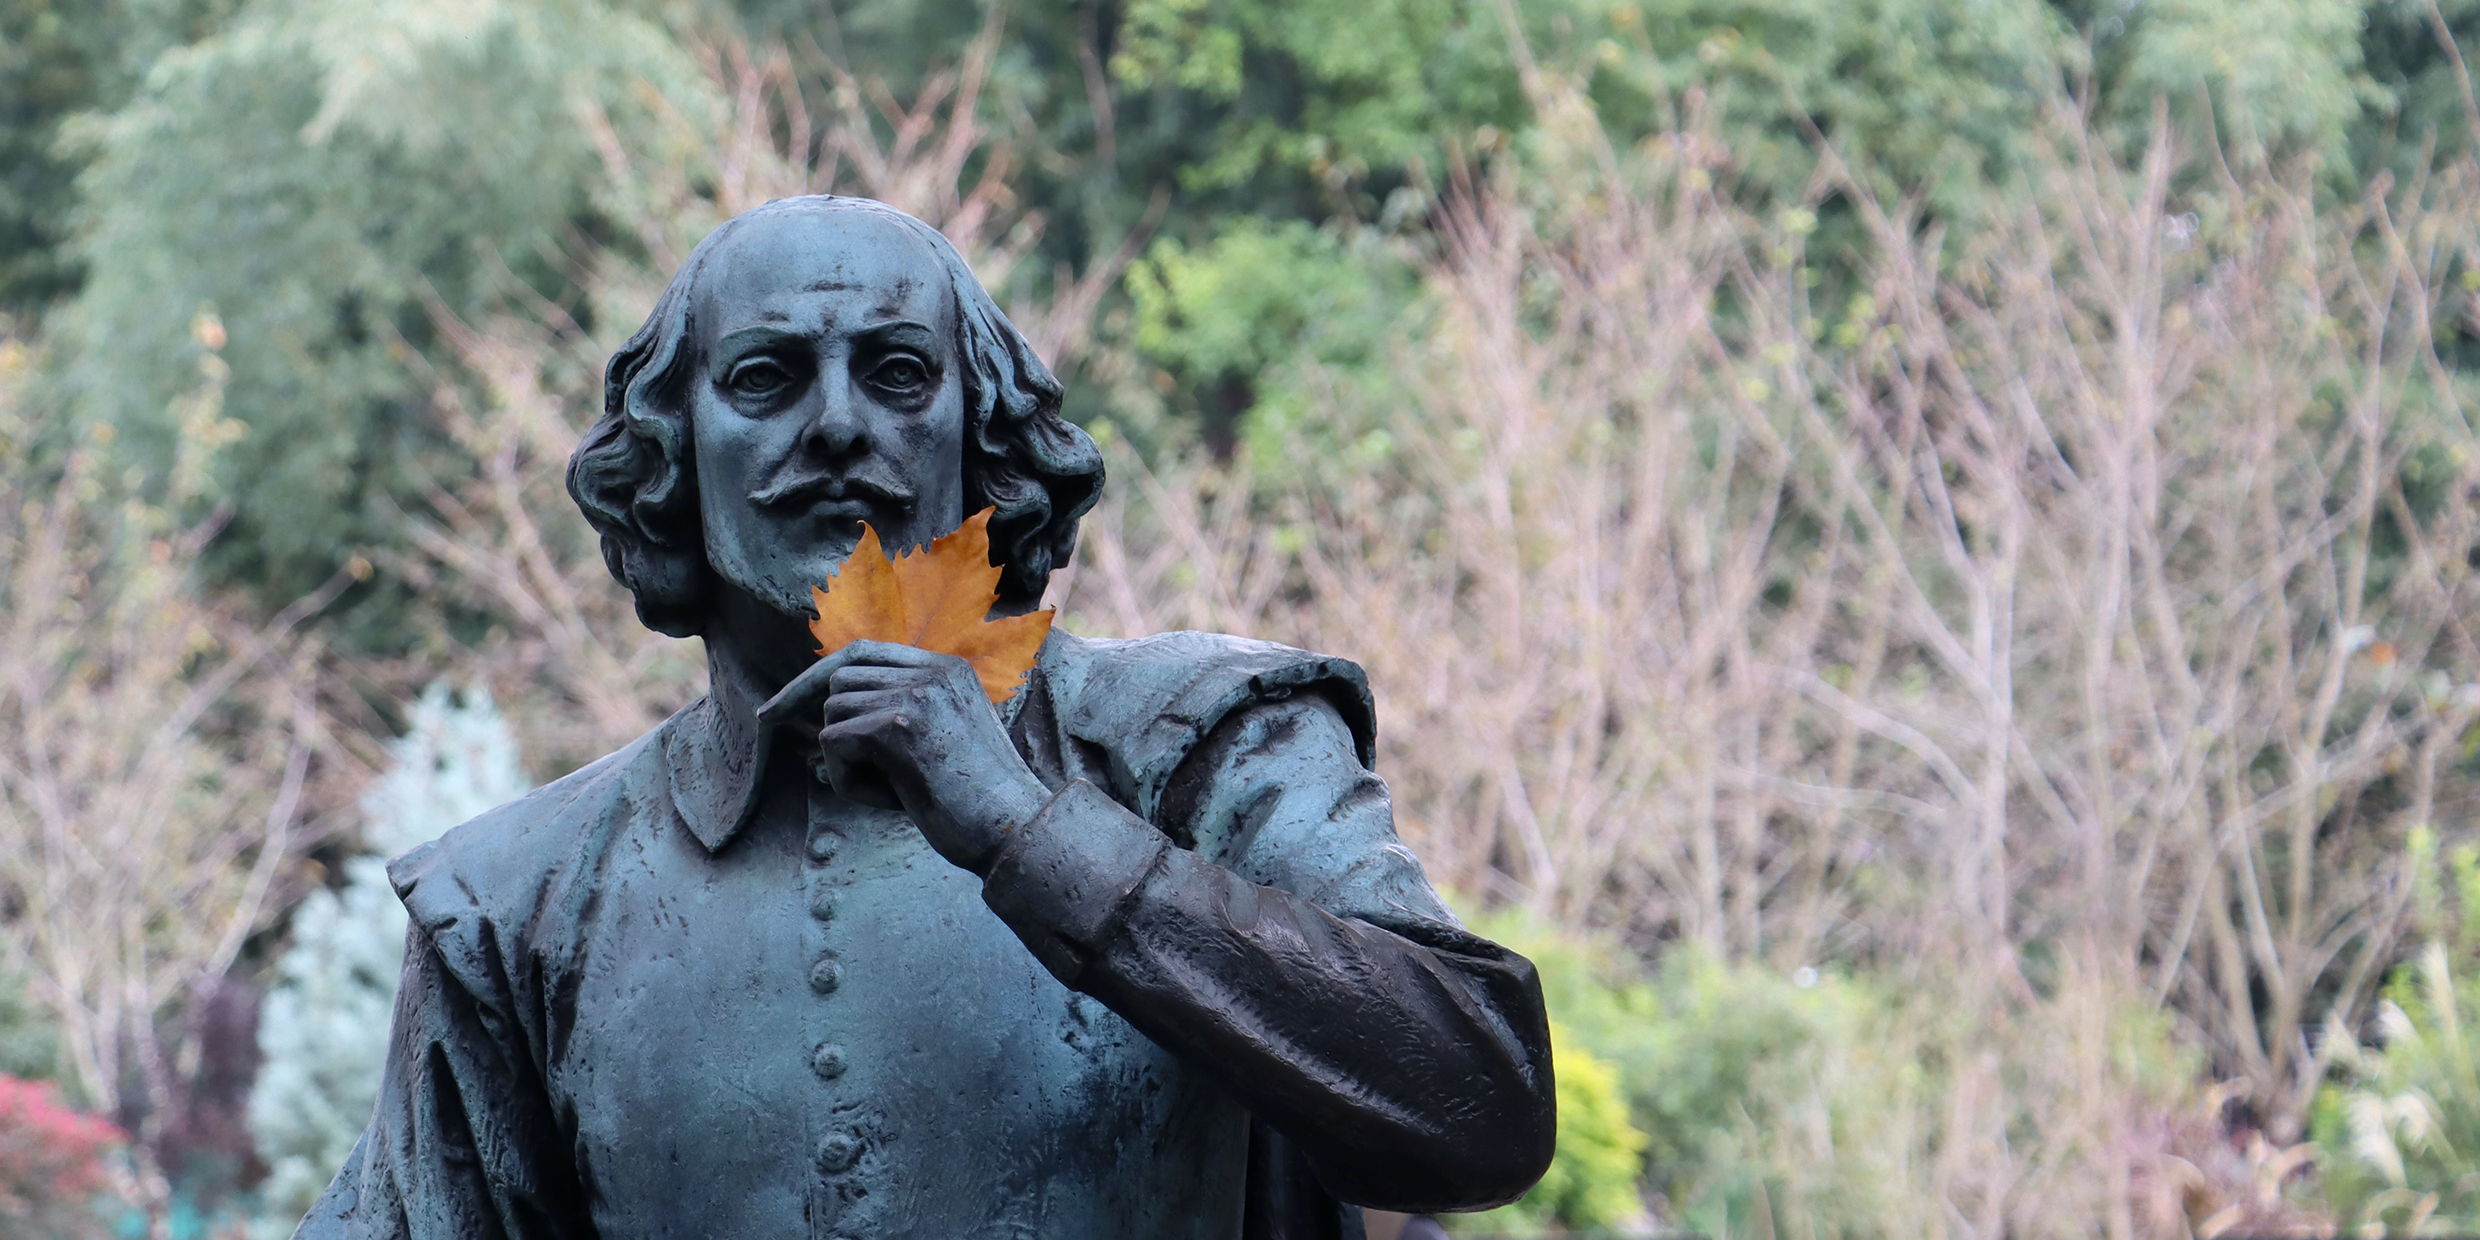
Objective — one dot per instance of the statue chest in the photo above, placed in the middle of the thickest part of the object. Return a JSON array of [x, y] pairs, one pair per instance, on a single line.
[[822, 1031]]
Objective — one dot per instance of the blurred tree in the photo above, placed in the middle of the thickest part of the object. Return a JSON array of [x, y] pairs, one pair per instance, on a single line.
[[29, 1041], [1228, 321], [48, 69], [156, 762], [1937, 93], [2414, 53], [327, 175], [2397, 1126], [58, 59], [2280, 73], [324, 1027], [322, 174]]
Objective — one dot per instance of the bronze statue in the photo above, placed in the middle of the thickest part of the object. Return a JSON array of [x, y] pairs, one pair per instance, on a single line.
[[1138, 955]]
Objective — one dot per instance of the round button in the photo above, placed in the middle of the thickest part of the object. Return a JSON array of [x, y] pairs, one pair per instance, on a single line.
[[825, 976], [822, 847], [827, 1061], [822, 905], [839, 1151]]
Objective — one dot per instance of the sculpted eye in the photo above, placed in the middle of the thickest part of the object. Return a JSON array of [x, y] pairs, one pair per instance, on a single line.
[[901, 376], [758, 377]]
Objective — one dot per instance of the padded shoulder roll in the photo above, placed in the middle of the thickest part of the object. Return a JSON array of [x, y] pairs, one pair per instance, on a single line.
[[1147, 702]]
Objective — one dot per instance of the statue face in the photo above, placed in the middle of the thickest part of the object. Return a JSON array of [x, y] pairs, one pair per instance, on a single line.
[[827, 393]]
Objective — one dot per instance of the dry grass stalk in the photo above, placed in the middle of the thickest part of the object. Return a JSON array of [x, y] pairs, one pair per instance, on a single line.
[[2070, 621], [157, 758], [2089, 601]]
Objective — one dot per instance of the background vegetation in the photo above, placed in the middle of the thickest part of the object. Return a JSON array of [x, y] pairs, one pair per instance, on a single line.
[[1917, 554]]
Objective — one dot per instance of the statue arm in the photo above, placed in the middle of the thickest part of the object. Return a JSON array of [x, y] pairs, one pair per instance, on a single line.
[[1298, 954], [463, 1144]]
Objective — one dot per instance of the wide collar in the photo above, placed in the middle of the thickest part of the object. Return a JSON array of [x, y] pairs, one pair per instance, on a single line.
[[716, 754]]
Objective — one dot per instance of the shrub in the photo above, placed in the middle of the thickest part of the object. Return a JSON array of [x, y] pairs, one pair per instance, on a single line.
[[1837, 1102], [1593, 1179], [2398, 1127], [53, 1163]]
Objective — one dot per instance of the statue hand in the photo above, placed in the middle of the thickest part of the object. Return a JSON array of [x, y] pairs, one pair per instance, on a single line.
[[921, 721]]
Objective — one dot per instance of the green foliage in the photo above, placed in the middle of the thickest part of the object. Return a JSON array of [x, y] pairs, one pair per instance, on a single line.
[[1728, 1068], [1934, 95], [1344, 95], [1779, 1102], [30, 1046], [60, 58], [1592, 1181], [2398, 1126], [1596, 1175], [1740, 1056], [1232, 322], [2424, 113], [47, 70], [2280, 72], [1713, 1055], [320, 175]]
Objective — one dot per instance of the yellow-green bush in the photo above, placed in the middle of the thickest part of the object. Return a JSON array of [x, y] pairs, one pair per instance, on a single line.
[[1765, 1101], [1593, 1180], [2397, 1128]]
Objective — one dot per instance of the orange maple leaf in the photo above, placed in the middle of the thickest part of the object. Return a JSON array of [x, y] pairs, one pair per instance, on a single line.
[[937, 598]]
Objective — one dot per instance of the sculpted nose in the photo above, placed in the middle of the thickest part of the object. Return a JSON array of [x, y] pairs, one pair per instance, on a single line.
[[836, 430]]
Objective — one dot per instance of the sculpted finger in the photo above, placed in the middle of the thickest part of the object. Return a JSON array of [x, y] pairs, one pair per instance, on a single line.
[[856, 757], [889, 654], [866, 677], [859, 782], [802, 696], [845, 706], [815, 682]]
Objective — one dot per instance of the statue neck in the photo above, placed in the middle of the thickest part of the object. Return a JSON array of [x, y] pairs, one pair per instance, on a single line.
[[752, 651]]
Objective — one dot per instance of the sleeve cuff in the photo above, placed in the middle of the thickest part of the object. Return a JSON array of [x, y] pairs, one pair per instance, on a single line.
[[1063, 880]]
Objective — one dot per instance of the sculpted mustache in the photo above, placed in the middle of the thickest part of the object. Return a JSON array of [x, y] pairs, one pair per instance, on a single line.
[[812, 489]]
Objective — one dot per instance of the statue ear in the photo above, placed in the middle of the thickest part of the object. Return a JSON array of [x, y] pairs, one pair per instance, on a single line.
[[632, 477], [661, 557]]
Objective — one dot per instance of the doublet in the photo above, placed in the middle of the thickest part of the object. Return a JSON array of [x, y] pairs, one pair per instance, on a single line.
[[689, 992]]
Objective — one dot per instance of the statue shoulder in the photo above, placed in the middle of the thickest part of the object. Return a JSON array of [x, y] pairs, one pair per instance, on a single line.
[[1147, 701], [502, 864]]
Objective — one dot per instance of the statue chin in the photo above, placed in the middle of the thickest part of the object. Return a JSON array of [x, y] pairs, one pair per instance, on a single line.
[[778, 581], [789, 598], [782, 596]]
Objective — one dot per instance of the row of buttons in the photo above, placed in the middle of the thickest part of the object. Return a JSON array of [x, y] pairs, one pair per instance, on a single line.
[[842, 1148]]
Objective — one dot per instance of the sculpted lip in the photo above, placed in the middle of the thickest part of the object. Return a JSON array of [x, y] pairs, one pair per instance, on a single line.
[[845, 497]]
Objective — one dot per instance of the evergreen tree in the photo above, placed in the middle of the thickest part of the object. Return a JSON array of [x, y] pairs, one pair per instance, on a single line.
[[324, 1028]]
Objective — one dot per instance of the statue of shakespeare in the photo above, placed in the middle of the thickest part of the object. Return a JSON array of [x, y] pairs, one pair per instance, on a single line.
[[1139, 954]]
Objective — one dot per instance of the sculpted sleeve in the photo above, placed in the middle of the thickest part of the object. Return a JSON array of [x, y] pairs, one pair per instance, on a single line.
[[462, 1145], [1276, 934]]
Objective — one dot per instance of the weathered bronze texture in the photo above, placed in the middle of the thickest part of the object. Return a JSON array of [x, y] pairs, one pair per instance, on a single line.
[[843, 950]]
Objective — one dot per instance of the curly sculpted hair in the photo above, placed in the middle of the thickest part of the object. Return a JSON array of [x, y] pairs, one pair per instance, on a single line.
[[635, 477]]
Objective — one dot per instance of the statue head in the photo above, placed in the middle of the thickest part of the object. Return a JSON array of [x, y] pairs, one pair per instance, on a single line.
[[816, 363]]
